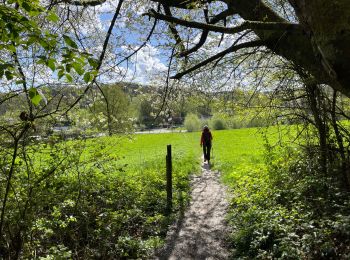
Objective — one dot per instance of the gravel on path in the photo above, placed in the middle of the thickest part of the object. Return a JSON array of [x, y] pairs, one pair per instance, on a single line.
[[202, 230]]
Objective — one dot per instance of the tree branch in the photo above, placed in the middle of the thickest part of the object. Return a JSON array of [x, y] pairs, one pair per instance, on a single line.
[[102, 55], [173, 28], [84, 2], [141, 46], [197, 46], [184, 4], [233, 48], [205, 33], [252, 25]]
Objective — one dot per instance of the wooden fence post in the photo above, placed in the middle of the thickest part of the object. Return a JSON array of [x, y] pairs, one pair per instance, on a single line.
[[169, 188]]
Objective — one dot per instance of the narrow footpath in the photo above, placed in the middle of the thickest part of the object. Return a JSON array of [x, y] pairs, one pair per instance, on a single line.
[[201, 232]]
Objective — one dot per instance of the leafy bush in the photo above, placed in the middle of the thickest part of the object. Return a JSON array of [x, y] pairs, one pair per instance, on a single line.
[[218, 123], [288, 211], [247, 119], [88, 202], [192, 123]]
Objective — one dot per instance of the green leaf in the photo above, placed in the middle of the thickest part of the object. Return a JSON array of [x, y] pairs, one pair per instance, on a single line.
[[34, 96], [34, 13], [32, 39], [78, 68], [69, 77], [51, 64], [60, 73], [70, 42], [53, 17], [87, 77], [18, 82], [44, 44], [8, 75], [68, 67], [41, 61], [11, 48], [93, 62], [26, 6]]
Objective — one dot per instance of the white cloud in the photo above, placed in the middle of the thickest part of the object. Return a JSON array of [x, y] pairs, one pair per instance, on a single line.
[[142, 68], [106, 7], [146, 64]]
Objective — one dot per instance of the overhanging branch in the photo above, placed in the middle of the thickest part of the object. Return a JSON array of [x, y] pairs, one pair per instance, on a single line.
[[102, 55], [252, 25], [184, 4], [141, 46], [197, 46], [205, 33], [173, 29], [85, 2], [233, 48]]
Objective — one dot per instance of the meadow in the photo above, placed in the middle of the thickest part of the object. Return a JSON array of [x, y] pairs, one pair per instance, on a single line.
[[102, 197], [106, 197]]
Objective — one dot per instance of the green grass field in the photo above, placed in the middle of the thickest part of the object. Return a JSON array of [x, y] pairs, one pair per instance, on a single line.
[[232, 149], [106, 197], [237, 149], [109, 193]]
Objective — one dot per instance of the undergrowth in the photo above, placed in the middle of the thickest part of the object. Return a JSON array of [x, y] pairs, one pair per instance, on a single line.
[[283, 208], [102, 198]]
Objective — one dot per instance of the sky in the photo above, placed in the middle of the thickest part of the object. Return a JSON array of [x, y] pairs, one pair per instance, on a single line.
[[152, 60], [148, 62]]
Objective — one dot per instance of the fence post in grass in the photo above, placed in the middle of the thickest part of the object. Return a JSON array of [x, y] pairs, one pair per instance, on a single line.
[[169, 190]]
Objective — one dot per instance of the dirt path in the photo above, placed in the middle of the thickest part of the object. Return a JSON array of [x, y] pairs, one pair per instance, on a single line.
[[201, 232]]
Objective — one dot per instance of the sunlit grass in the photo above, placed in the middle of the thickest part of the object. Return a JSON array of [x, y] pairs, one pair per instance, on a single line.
[[238, 151]]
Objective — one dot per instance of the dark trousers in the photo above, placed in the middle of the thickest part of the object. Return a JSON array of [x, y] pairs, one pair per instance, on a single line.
[[206, 151]]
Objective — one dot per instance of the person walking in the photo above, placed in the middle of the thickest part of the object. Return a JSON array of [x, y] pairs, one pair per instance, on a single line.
[[206, 140]]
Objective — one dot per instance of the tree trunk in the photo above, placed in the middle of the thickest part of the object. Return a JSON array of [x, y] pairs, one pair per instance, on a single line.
[[326, 58], [314, 100], [328, 24], [339, 138]]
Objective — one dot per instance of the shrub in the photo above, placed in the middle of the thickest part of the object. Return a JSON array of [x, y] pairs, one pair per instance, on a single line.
[[289, 211], [192, 123], [218, 123]]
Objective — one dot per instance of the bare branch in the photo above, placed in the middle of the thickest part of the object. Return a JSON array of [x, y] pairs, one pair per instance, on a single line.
[[9, 96], [52, 112], [222, 16], [197, 46], [235, 42], [185, 4], [167, 84]]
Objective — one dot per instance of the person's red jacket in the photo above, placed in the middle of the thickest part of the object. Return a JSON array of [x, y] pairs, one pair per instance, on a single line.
[[206, 136]]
